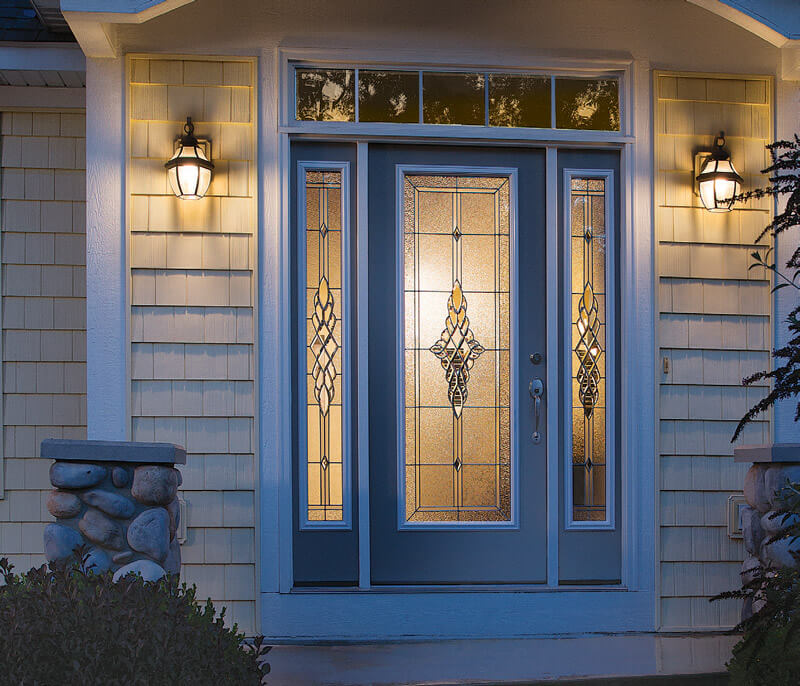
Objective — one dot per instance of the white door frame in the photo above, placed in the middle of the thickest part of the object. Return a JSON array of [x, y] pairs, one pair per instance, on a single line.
[[415, 612]]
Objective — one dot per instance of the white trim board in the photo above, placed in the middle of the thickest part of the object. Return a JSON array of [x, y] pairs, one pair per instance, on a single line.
[[41, 97], [283, 609]]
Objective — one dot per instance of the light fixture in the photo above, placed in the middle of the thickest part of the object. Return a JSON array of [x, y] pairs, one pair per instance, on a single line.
[[718, 182], [189, 169]]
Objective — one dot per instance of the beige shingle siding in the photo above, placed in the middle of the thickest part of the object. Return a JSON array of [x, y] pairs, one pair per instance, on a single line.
[[42, 214], [192, 311], [714, 329]]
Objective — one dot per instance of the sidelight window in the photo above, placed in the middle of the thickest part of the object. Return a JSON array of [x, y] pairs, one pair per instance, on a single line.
[[324, 355], [589, 266]]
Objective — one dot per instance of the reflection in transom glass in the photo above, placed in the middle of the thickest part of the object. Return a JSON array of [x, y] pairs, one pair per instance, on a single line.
[[324, 326], [456, 273], [588, 325]]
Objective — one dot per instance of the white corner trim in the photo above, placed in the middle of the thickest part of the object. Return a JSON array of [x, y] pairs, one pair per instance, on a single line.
[[744, 20], [107, 306], [93, 21]]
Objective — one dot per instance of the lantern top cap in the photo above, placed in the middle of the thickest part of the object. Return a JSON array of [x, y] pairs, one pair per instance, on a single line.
[[188, 137], [719, 152]]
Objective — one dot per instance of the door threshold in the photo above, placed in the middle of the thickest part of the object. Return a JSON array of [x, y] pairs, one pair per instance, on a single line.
[[458, 588], [592, 660]]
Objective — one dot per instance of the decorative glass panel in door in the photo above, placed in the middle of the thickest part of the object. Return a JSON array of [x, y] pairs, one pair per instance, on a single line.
[[457, 273], [456, 307]]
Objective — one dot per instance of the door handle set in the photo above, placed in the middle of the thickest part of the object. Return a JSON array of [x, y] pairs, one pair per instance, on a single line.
[[536, 389]]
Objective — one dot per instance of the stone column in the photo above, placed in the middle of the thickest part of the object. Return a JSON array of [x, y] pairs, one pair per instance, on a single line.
[[120, 499], [772, 466]]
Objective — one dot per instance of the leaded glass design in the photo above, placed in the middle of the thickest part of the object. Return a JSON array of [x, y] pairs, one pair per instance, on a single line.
[[324, 341], [589, 351], [456, 272]]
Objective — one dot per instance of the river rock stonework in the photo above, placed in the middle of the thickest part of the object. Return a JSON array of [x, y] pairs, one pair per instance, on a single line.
[[773, 466], [120, 500]]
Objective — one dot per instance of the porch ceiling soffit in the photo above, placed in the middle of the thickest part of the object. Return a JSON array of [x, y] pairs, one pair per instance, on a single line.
[[775, 21], [93, 22], [42, 75]]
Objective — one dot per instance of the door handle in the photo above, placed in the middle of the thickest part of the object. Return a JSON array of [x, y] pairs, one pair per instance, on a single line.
[[536, 389]]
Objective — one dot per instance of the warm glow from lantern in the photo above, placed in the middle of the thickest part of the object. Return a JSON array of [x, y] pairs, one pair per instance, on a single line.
[[718, 182], [189, 170]]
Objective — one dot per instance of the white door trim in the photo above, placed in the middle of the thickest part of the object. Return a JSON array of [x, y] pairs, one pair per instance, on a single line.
[[286, 613]]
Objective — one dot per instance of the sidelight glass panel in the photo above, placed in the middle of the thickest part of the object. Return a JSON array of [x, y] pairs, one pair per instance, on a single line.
[[453, 98], [587, 104], [324, 326], [589, 350], [519, 101], [325, 95], [388, 96], [457, 465]]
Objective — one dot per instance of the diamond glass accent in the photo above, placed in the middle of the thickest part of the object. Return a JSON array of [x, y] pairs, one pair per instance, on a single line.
[[456, 271], [324, 325], [588, 324]]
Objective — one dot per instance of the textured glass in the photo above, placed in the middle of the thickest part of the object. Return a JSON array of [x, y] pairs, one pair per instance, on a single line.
[[323, 234], [325, 95], [457, 377], [587, 307], [587, 104], [388, 96], [453, 98], [519, 101]]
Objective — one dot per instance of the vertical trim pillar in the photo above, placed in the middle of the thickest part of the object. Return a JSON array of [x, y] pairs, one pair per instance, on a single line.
[[107, 297]]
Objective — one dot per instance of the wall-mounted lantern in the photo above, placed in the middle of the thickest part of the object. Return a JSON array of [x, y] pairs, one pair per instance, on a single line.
[[189, 169], [718, 182]]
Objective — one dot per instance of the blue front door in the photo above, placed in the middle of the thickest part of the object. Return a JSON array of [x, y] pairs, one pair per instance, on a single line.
[[457, 298]]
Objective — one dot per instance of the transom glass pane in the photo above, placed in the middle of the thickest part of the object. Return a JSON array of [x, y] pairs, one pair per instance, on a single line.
[[588, 324], [587, 104], [324, 341], [450, 98], [388, 96], [325, 95], [519, 101], [457, 348]]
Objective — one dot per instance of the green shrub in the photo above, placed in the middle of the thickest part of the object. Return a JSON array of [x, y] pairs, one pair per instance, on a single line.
[[769, 652], [66, 626]]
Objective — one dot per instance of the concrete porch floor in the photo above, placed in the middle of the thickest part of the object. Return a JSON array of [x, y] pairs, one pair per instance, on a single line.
[[603, 660]]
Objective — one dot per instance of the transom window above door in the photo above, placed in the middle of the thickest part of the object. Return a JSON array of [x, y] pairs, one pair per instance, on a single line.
[[457, 97]]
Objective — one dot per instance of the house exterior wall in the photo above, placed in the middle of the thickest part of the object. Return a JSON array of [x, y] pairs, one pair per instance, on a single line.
[[192, 310], [42, 215], [714, 329]]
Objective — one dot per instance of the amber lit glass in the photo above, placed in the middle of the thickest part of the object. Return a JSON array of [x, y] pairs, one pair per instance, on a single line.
[[388, 96], [587, 104], [457, 363], [324, 341], [325, 95], [453, 98], [588, 324], [521, 101]]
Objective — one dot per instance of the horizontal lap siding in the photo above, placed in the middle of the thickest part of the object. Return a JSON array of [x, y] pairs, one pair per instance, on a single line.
[[43, 219], [192, 312], [714, 329]]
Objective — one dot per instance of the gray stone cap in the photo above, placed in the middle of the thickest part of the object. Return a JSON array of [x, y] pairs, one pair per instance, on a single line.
[[113, 451], [769, 452]]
